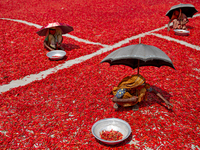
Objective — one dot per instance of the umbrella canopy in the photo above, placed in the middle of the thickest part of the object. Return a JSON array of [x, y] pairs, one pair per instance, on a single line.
[[64, 27], [139, 55], [188, 9]]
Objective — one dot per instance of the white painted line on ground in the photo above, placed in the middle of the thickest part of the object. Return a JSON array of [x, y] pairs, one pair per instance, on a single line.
[[24, 22], [84, 41], [197, 15], [196, 69], [30, 78], [175, 40], [67, 35], [195, 76], [194, 147]]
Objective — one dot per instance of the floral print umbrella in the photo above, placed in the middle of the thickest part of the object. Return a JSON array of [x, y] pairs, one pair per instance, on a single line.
[[64, 27]]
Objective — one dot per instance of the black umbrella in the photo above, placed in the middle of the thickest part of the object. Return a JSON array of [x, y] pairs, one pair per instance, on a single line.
[[188, 9], [139, 55]]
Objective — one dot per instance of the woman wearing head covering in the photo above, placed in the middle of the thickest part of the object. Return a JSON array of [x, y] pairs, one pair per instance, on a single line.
[[53, 39], [128, 88], [179, 20], [132, 90]]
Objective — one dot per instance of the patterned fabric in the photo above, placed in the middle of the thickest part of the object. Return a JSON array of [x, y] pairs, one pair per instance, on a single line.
[[150, 89], [64, 28], [120, 93], [132, 86], [129, 82]]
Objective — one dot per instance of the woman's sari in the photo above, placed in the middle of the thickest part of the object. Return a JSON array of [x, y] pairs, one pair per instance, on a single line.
[[131, 86]]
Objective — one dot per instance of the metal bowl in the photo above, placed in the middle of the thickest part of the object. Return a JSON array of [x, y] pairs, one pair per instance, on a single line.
[[56, 54], [108, 124], [181, 32]]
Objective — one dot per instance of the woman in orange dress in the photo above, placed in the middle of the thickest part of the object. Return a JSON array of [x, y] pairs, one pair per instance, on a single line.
[[132, 90]]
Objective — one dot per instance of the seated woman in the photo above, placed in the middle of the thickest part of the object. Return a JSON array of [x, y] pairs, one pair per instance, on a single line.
[[132, 90], [179, 20], [53, 39]]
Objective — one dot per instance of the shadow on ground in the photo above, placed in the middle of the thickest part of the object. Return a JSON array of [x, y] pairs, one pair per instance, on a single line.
[[70, 47], [152, 99], [189, 27]]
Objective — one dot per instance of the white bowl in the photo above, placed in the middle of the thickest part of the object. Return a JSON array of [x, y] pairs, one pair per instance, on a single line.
[[181, 32], [56, 54], [111, 124]]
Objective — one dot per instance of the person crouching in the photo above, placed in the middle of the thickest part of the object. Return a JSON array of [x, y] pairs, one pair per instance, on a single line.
[[53, 39]]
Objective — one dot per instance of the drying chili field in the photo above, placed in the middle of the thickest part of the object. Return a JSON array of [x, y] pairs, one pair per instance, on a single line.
[[48, 104]]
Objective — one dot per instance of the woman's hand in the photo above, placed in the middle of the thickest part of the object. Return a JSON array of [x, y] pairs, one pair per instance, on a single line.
[[49, 48], [59, 45], [168, 28], [169, 105]]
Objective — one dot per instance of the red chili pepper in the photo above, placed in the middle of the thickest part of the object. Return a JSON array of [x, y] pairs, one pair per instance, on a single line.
[[111, 135]]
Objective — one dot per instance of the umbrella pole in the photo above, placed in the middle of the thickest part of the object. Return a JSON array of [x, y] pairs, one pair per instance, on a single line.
[[138, 65], [138, 59], [160, 96]]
